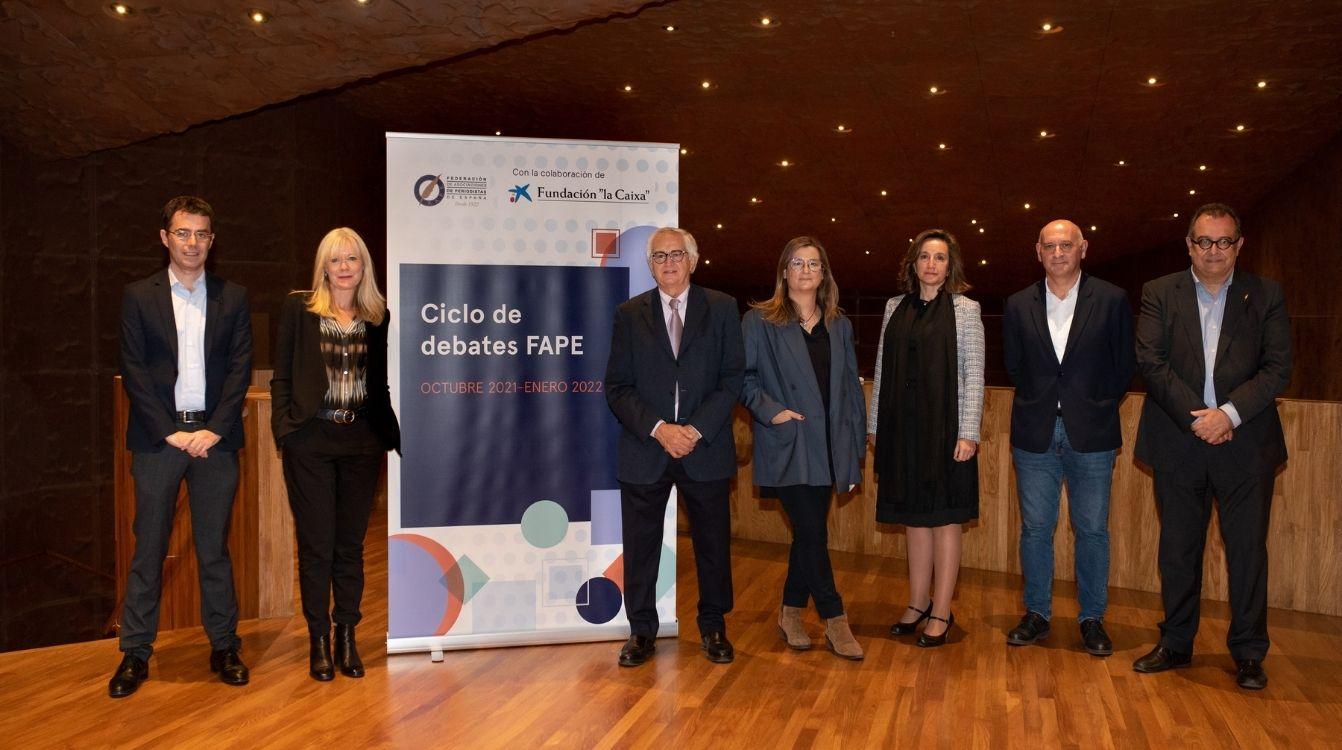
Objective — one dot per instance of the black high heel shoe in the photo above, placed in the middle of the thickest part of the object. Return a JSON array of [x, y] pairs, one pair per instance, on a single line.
[[909, 628], [932, 641]]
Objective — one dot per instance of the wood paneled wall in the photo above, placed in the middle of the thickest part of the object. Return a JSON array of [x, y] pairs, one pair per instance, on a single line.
[[1305, 542], [260, 537]]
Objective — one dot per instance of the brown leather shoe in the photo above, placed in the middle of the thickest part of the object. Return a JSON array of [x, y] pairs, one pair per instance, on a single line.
[[790, 626], [839, 638]]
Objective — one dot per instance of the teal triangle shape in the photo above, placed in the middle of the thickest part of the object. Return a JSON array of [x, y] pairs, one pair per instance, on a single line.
[[472, 577]]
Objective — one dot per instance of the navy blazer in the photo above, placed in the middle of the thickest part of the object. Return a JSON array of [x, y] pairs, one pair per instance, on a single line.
[[1091, 379], [1252, 368], [149, 360], [298, 388], [778, 376], [642, 375]]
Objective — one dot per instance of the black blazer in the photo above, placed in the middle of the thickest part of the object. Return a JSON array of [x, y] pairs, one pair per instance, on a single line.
[[149, 360], [298, 386], [1253, 367], [641, 379], [1092, 378]]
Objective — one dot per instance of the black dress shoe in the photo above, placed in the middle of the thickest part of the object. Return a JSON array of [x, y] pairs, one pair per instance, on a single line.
[[932, 641], [636, 650], [346, 654], [229, 666], [909, 628], [1249, 674], [1031, 628], [717, 648], [1095, 640], [1161, 659], [319, 658], [128, 676]]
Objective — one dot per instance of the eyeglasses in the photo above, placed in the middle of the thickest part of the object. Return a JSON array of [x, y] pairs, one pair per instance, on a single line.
[[185, 234], [675, 256], [1223, 243], [811, 264]]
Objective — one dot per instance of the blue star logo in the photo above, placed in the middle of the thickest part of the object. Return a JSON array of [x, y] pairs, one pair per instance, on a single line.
[[519, 192]]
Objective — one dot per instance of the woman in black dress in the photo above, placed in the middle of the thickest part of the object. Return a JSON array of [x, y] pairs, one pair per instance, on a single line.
[[927, 402], [332, 417]]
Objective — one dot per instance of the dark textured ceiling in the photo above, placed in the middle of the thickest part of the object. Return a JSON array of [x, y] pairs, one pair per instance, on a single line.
[[779, 92]]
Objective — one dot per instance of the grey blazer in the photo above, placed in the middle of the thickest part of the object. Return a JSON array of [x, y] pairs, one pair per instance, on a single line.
[[779, 376], [969, 357]]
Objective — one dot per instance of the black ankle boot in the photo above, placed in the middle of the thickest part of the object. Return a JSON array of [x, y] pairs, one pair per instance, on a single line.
[[319, 658], [347, 654]]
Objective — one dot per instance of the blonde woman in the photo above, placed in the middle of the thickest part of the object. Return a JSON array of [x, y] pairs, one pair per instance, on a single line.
[[926, 406], [802, 389], [333, 419]]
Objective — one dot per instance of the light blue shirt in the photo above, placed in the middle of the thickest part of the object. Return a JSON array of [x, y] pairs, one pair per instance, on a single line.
[[1211, 312], [188, 311]]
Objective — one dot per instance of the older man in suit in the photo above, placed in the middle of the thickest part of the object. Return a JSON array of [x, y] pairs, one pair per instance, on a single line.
[[1214, 346], [1068, 346], [675, 371], [186, 352]]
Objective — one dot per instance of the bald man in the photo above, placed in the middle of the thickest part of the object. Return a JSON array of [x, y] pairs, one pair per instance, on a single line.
[[1068, 345]]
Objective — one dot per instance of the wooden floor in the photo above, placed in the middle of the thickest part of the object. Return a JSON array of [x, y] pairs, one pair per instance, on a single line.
[[976, 692]]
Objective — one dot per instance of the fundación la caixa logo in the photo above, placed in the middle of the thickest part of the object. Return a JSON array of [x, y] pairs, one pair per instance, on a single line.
[[519, 192], [431, 189]]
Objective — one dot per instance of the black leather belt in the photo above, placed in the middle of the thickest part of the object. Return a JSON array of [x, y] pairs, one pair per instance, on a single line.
[[190, 417], [339, 416]]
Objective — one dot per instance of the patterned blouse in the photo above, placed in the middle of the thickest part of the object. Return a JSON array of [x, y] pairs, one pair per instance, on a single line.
[[345, 351]]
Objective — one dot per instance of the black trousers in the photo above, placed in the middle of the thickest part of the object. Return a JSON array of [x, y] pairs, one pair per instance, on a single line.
[[642, 510], [1184, 499], [211, 483], [331, 471], [809, 575]]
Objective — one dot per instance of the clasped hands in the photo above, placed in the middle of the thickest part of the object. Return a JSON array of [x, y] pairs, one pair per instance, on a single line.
[[196, 444], [677, 440], [1213, 426]]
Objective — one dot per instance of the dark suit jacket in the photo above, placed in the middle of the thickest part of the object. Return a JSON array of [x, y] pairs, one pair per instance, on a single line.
[[641, 379], [298, 387], [149, 360], [1092, 378], [779, 376], [1253, 366]]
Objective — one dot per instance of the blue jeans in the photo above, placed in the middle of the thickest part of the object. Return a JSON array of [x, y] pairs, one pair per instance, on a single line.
[[1039, 478]]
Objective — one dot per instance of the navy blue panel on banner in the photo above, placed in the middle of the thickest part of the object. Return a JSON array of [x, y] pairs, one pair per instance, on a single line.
[[502, 400]]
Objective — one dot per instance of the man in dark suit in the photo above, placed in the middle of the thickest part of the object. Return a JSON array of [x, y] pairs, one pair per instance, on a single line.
[[1214, 347], [186, 352], [676, 366], [1068, 346]]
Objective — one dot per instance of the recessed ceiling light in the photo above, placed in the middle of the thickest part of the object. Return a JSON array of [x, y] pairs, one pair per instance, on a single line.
[[933, 90], [1027, 206], [498, 132], [941, 146], [627, 87], [832, 219], [754, 200], [121, 9], [1122, 163], [719, 225], [841, 128], [980, 230], [785, 163], [973, 221], [1151, 81], [1047, 27], [1043, 134], [1176, 214], [257, 16], [362, 2], [866, 252], [1094, 228], [1191, 191], [705, 84], [669, 27], [766, 21], [983, 261], [708, 262], [1202, 167], [1262, 84], [684, 151], [884, 193], [1239, 128]]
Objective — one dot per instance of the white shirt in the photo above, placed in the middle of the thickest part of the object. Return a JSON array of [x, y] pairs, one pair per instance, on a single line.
[[1060, 313], [188, 311]]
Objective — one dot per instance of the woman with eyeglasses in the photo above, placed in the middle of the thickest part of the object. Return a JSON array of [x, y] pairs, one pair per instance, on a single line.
[[926, 406], [802, 390], [332, 417]]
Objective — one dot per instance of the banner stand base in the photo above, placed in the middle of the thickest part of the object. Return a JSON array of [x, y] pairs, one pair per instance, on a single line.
[[436, 645]]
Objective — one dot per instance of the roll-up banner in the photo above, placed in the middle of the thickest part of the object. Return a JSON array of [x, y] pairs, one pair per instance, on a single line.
[[506, 259]]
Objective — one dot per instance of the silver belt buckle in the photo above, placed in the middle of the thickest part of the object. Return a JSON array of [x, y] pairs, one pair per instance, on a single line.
[[345, 416]]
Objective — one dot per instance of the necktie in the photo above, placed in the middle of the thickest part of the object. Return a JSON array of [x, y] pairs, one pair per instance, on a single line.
[[676, 327]]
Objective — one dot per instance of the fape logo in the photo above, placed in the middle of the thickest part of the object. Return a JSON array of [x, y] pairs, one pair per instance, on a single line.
[[429, 190], [519, 192]]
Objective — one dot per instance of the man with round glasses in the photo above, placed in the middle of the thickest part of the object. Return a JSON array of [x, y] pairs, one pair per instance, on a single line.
[[1214, 347], [186, 353], [677, 362]]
